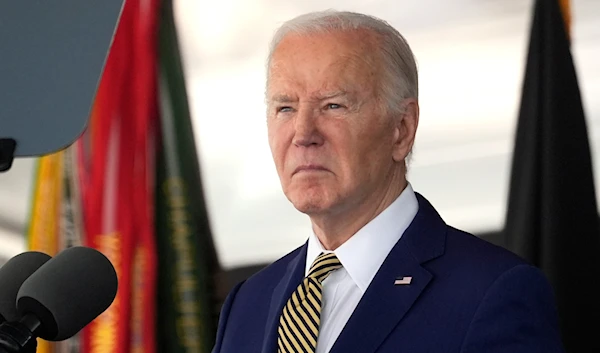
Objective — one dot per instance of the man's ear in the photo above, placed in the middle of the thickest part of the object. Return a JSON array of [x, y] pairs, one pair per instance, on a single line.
[[405, 129]]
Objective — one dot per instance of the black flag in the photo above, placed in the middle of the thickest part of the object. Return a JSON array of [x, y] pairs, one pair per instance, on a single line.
[[552, 218]]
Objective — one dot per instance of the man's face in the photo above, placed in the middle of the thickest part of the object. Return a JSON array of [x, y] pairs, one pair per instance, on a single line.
[[332, 143]]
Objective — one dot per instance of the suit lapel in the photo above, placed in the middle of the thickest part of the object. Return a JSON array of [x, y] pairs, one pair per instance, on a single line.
[[385, 304], [282, 292]]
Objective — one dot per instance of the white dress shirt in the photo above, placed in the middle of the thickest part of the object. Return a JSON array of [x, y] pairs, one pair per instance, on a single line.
[[361, 256]]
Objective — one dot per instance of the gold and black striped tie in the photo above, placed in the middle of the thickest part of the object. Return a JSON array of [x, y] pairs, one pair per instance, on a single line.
[[299, 323]]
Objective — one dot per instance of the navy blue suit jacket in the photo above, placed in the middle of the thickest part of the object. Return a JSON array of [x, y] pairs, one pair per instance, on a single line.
[[466, 296]]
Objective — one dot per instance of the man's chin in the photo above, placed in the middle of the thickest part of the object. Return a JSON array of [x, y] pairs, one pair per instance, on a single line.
[[310, 199], [309, 210], [310, 206]]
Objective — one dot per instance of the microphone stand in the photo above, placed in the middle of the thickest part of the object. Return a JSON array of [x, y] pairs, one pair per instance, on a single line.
[[18, 337]]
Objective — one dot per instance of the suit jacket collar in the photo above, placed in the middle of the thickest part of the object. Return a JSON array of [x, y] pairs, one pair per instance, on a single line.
[[360, 255], [426, 236], [384, 303], [292, 277]]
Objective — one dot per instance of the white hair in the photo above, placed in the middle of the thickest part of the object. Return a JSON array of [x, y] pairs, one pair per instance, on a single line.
[[399, 76]]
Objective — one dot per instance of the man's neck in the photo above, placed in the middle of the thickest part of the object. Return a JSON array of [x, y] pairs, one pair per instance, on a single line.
[[334, 230]]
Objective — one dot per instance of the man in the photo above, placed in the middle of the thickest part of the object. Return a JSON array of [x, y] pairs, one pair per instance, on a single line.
[[381, 272]]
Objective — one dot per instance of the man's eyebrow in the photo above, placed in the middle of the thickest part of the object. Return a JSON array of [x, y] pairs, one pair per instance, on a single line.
[[331, 94], [282, 98]]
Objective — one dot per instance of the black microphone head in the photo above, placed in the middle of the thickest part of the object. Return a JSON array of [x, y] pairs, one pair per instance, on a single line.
[[12, 275], [68, 292]]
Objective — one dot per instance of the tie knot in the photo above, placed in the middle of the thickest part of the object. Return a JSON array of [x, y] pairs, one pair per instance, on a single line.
[[323, 266]]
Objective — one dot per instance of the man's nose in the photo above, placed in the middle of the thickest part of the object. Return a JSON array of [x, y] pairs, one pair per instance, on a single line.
[[306, 128]]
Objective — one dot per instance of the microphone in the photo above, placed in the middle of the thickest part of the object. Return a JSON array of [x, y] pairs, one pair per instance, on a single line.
[[12, 275], [60, 298]]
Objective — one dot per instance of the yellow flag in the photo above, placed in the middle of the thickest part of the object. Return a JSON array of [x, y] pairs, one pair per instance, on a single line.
[[43, 233]]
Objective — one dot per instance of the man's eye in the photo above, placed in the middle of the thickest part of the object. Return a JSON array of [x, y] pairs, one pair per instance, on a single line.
[[284, 109], [333, 106]]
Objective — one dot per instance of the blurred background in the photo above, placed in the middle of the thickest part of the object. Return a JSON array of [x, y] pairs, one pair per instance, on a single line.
[[471, 57]]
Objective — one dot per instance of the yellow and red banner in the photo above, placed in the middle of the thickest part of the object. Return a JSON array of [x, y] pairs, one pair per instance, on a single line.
[[45, 213], [46, 207], [118, 184], [107, 191]]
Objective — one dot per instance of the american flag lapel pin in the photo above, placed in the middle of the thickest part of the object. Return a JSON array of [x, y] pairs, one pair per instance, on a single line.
[[402, 281]]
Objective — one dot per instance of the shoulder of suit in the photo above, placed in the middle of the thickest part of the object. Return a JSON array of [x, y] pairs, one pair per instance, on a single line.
[[274, 270], [473, 254]]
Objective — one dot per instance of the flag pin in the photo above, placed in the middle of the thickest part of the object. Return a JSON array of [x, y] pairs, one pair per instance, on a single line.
[[402, 280]]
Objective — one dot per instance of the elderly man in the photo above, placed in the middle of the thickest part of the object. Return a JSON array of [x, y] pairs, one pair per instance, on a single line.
[[381, 271]]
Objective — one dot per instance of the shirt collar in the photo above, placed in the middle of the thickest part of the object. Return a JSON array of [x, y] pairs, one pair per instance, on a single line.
[[365, 251]]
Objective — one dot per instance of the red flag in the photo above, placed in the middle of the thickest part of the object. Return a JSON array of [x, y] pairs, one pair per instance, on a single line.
[[144, 102], [118, 187]]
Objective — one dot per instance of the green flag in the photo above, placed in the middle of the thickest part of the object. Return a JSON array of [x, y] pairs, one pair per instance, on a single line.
[[187, 296]]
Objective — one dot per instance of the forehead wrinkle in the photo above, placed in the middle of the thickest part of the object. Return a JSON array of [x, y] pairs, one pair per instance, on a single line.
[[358, 59], [321, 95]]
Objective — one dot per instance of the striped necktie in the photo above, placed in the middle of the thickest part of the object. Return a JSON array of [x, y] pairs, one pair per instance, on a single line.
[[299, 323]]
